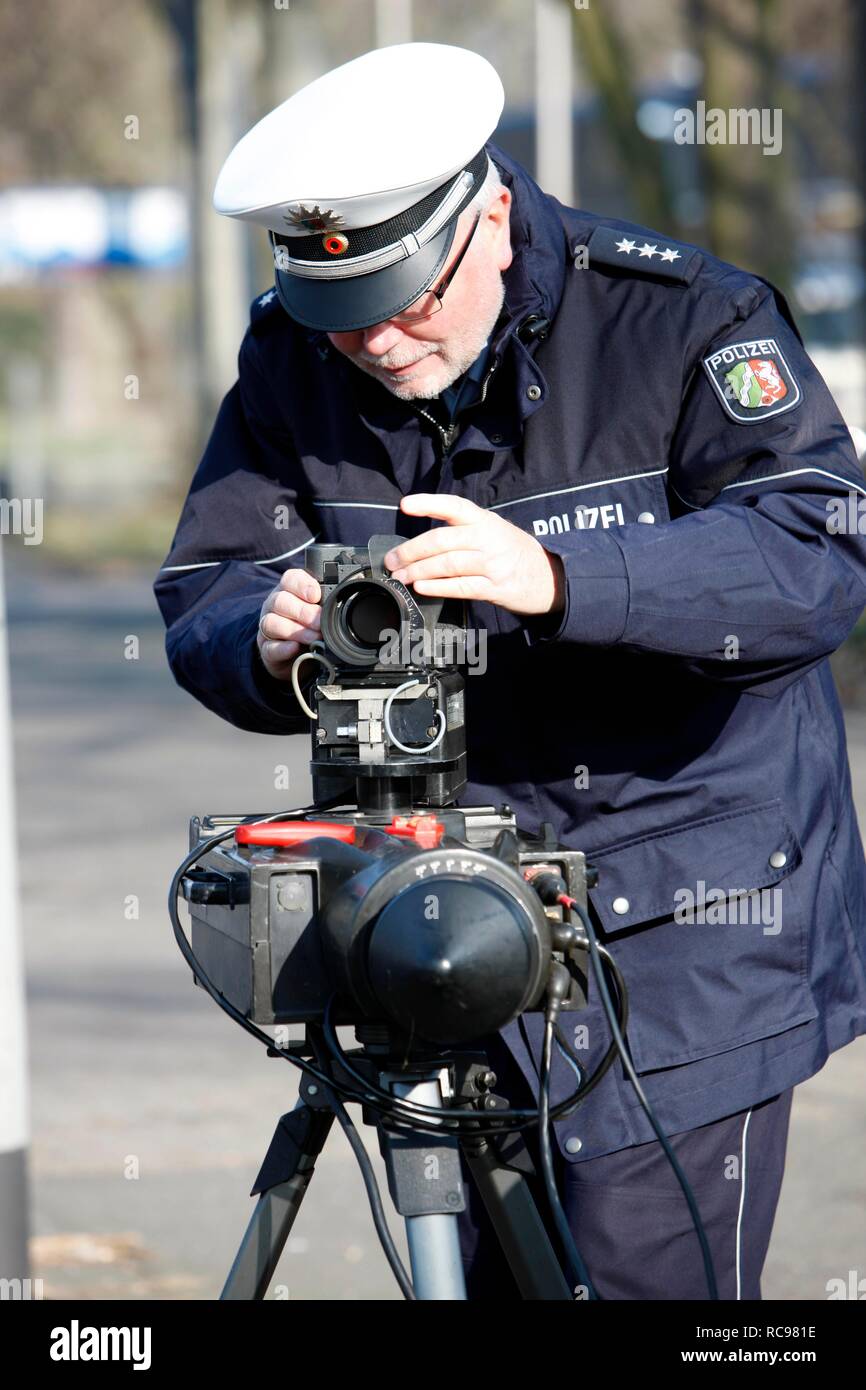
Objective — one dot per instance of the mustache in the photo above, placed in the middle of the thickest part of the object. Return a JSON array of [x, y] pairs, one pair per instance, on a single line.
[[387, 361]]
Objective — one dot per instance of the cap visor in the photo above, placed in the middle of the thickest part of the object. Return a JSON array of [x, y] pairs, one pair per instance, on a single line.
[[359, 301]]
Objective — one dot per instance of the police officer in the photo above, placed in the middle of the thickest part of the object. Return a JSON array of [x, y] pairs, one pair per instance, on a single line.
[[614, 446]]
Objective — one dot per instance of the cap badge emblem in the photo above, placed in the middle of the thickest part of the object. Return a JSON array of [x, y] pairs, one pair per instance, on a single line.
[[313, 219]]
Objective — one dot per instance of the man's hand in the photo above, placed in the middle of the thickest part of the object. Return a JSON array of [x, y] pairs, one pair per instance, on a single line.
[[477, 556], [290, 618]]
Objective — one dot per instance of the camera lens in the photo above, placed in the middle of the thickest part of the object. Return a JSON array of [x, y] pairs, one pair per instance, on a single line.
[[367, 613], [355, 618]]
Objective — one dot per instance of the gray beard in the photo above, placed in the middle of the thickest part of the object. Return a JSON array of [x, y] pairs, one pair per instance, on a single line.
[[484, 338]]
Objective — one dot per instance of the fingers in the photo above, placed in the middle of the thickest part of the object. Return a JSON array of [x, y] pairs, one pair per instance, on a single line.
[[282, 627], [284, 616], [279, 657], [476, 587], [436, 541], [290, 606], [447, 565], [290, 619], [285, 612], [273, 628], [304, 585], [441, 505]]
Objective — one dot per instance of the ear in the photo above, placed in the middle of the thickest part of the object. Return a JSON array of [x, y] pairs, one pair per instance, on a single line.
[[499, 213]]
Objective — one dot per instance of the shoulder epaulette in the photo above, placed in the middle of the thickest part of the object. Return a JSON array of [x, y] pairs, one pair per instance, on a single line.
[[644, 253], [263, 305]]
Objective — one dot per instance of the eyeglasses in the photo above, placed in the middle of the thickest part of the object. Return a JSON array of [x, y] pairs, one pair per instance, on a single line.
[[427, 304], [430, 302]]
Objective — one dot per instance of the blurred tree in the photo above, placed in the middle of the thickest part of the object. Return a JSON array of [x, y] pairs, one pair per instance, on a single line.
[[238, 59], [746, 193], [219, 55], [751, 54], [607, 59], [69, 76]]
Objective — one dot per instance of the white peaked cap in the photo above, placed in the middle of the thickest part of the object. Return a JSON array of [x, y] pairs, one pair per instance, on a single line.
[[365, 141], [361, 176]]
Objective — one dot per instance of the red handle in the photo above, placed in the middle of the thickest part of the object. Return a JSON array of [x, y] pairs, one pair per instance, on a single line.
[[292, 832], [426, 831]]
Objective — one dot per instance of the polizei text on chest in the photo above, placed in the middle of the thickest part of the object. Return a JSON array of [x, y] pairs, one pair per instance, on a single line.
[[609, 514]]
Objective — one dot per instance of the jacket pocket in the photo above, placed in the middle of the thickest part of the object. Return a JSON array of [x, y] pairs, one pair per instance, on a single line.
[[706, 923]]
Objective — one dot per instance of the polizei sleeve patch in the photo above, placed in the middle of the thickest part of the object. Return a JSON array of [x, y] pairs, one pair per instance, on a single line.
[[752, 380]]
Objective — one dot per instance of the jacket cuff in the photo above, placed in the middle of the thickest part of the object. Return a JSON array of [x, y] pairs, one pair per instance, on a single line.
[[264, 692], [596, 592]]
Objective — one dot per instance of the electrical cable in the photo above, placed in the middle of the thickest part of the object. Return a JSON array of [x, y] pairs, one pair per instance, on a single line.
[[570, 1055], [612, 1052], [377, 1211], [577, 1269], [386, 718], [595, 958], [450, 1119], [308, 655]]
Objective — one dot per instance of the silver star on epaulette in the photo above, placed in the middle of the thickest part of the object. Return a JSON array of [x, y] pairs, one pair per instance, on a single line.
[[314, 219]]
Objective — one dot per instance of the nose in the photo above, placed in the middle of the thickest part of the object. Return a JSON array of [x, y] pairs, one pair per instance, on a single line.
[[380, 338]]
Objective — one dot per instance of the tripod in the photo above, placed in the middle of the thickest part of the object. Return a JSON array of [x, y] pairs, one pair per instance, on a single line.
[[424, 1171]]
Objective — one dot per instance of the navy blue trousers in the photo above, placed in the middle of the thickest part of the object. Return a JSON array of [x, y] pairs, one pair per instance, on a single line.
[[629, 1217]]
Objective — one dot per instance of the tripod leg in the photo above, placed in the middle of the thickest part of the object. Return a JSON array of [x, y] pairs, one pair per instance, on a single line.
[[284, 1178], [516, 1220], [426, 1187], [434, 1254]]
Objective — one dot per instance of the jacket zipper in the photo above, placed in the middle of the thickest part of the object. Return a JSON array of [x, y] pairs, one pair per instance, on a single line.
[[449, 434]]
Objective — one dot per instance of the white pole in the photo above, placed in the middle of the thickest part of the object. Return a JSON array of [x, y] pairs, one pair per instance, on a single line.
[[226, 51], [393, 22], [553, 100], [14, 1118], [26, 447]]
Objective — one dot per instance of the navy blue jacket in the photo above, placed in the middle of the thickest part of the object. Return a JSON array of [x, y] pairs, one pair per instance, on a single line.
[[670, 439]]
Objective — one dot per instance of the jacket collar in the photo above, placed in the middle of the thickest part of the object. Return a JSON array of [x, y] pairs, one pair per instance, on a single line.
[[536, 277]]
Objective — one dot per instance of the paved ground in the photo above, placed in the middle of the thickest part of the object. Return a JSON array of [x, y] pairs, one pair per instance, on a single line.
[[151, 1112]]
